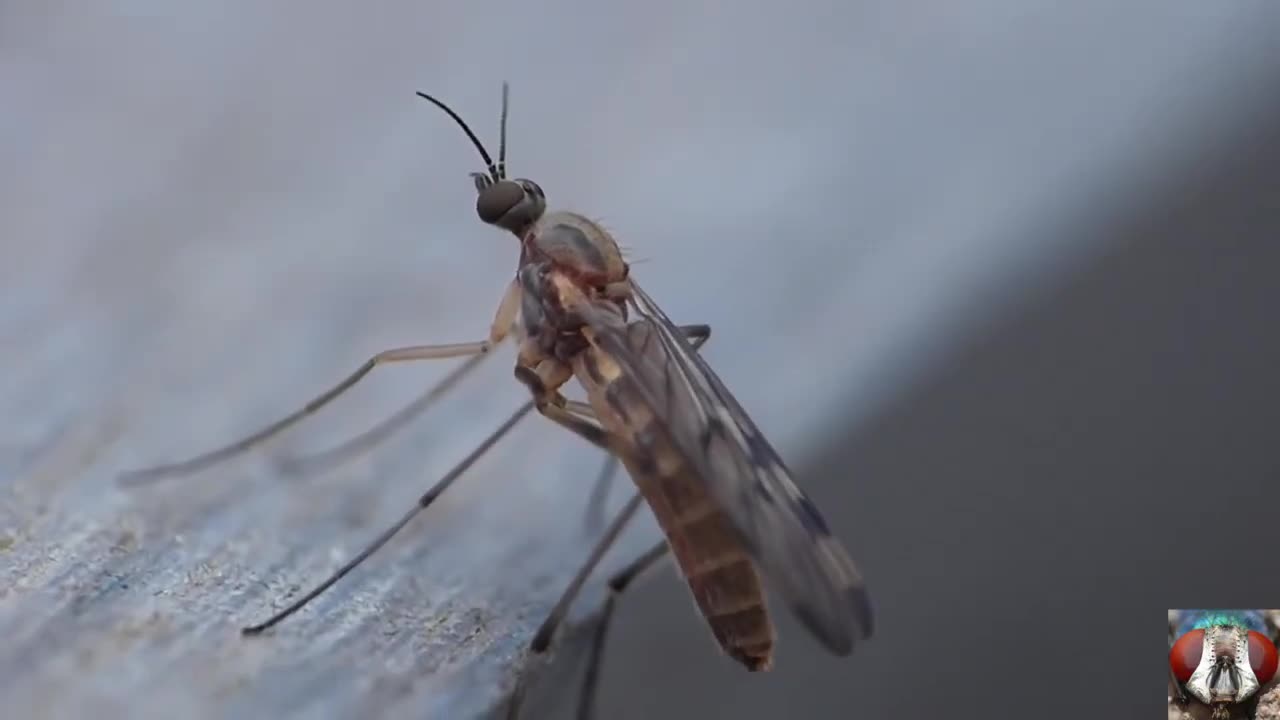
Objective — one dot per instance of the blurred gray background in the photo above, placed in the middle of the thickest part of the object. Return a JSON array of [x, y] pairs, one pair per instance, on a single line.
[[995, 277]]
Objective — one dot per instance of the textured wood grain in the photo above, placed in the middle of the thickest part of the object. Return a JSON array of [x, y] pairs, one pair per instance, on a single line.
[[140, 595]]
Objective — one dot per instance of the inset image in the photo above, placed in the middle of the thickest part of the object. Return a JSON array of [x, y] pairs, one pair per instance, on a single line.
[[1222, 664]]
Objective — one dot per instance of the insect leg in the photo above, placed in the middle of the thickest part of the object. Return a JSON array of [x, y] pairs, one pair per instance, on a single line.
[[549, 404], [600, 494], [370, 438], [580, 409], [403, 354], [698, 336], [617, 584], [542, 639], [503, 320], [362, 443], [427, 498]]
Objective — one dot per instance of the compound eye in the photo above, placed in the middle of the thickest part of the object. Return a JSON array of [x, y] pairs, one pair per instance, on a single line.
[[1184, 656], [497, 200], [532, 188], [1262, 657]]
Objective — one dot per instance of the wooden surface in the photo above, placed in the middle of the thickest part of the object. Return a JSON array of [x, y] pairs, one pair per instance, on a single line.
[[224, 217]]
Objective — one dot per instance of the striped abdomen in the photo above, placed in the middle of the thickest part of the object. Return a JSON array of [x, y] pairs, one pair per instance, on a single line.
[[706, 547]]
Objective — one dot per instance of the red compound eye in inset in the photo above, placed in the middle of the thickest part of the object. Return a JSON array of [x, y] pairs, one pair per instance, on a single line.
[[1184, 656], [1262, 656]]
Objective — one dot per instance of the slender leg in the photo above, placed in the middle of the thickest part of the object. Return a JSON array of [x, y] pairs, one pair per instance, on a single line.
[[600, 494], [617, 584], [542, 639], [427, 498], [698, 336], [367, 440], [404, 354], [549, 403], [580, 408], [604, 479], [503, 321]]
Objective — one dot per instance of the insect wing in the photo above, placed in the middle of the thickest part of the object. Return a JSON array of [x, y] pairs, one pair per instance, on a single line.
[[779, 525]]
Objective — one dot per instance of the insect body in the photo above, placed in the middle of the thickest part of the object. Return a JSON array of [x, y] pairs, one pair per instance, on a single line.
[[718, 490], [725, 501], [558, 303]]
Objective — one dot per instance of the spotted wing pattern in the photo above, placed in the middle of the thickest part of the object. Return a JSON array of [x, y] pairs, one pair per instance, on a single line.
[[779, 525]]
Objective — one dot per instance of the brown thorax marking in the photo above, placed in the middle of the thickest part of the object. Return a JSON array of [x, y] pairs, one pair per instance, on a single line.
[[576, 246], [553, 334]]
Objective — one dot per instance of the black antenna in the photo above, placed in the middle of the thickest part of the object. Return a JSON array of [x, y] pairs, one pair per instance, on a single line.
[[494, 172], [502, 135]]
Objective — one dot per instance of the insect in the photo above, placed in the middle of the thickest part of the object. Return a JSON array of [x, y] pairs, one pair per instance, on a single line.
[[731, 515], [1222, 658]]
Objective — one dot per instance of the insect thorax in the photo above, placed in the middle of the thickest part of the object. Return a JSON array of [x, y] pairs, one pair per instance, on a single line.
[[578, 247], [567, 260]]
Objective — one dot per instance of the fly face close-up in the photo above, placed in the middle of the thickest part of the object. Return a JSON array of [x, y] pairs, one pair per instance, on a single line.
[[1222, 661]]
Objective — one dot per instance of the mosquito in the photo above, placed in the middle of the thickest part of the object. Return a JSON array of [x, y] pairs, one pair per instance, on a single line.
[[731, 515]]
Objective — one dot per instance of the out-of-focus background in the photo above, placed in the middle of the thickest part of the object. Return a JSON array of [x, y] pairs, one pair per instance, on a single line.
[[997, 279]]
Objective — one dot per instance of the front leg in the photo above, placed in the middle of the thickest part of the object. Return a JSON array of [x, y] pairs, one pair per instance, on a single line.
[[543, 384]]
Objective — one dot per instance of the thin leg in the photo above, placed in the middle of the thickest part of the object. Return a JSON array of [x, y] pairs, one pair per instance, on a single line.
[[580, 408], [604, 480], [600, 494], [427, 498], [698, 336], [617, 584], [542, 639], [366, 441], [548, 403], [404, 354]]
